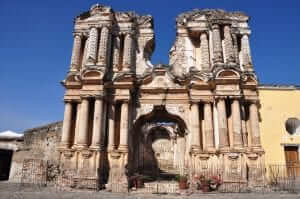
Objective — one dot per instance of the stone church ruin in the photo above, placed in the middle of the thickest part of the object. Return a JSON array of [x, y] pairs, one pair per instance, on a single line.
[[125, 117]]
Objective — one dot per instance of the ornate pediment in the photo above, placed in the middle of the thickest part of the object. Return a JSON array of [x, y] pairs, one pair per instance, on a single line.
[[249, 79], [210, 15], [145, 21], [72, 80], [125, 16], [92, 74], [160, 79], [99, 9], [227, 75], [96, 12]]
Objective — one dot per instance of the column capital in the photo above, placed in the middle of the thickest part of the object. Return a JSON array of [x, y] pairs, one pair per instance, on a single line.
[[124, 101], [207, 101], [129, 33], [77, 34], [204, 33], [253, 101], [220, 97], [193, 102], [227, 25], [68, 101], [215, 26], [93, 27], [235, 97], [245, 34], [86, 96], [99, 97], [108, 26]]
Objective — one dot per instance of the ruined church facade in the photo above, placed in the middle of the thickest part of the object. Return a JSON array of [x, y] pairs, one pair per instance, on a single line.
[[124, 115]]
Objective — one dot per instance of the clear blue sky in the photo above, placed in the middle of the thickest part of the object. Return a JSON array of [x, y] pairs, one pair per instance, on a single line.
[[36, 42]]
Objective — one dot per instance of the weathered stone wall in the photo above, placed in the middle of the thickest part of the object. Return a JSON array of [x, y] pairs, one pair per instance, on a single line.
[[40, 144]]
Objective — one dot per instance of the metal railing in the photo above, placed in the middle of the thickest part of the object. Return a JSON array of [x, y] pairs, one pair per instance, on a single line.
[[275, 177]]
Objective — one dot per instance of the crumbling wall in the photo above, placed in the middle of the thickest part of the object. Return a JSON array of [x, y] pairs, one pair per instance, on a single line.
[[40, 144]]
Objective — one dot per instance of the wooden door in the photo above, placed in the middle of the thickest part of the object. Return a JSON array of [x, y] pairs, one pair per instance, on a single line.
[[292, 160]]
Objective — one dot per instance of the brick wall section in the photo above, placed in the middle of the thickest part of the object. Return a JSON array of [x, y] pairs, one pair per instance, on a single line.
[[40, 144]]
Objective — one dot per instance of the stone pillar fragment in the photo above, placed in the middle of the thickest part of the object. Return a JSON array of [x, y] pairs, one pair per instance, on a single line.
[[217, 44], [229, 51], [124, 127], [97, 125], [128, 51], [208, 126], [77, 123], [236, 49], [116, 53], [246, 54], [195, 127], [92, 46], [67, 123], [204, 50], [254, 122], [111, 127], [85, 52], [244, 125], [236, 124], [82, 140], [75, 61], [104, 46], [222, 122]]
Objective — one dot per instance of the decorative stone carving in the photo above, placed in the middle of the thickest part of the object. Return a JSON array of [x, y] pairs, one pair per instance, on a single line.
[[125, 16], [209, 14], [174, 109], [204, 51], [128, 51], [145, 109], [116, 53], [75, 61], [229, 51], [99, 9], [145, 21], [68, 154], [92, 46], [233, 156], [246, 52], [104, 43], [217, 45], [86, 154]]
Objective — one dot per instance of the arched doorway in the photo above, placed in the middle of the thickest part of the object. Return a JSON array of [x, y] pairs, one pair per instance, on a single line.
[[5, 163], [159, 144]]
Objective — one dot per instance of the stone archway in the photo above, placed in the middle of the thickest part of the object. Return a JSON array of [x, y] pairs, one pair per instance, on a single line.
[[159, 144]]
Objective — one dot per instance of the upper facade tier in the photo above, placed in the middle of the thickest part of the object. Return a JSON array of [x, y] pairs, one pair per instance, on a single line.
[[112, 41], [110, 45], [209, 39]]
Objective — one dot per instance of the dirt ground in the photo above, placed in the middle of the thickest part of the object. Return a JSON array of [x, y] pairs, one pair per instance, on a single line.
[[15, 191]]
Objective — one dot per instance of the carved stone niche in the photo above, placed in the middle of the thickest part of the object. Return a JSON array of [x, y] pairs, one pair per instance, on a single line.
[[68, 154], [203, 156], [233, 156], [253, 156], [115, 155], [86, 154]]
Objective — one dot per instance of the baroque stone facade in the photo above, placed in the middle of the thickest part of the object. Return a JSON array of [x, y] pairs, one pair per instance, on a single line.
[[125, 116]]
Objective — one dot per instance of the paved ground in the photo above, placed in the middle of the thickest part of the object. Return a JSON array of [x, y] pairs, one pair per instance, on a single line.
[[14, 191]]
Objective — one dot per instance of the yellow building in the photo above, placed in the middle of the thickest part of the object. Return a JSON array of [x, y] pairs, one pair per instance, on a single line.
[[278, 104]]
